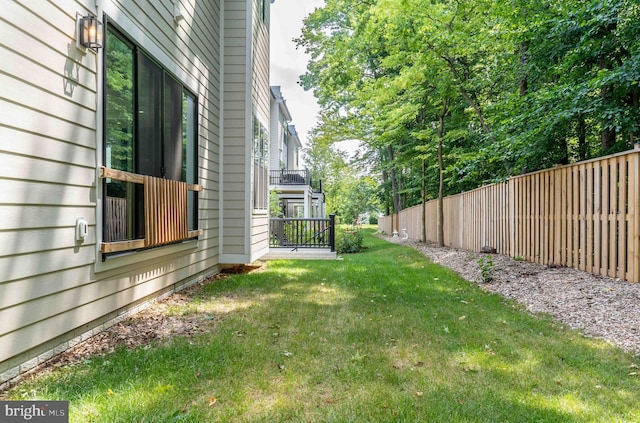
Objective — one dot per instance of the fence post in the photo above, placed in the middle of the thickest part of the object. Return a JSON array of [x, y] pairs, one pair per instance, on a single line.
[[332, 232], [634, 205]]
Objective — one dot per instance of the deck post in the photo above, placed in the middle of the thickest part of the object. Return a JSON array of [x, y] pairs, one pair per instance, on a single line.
[[332, 232]]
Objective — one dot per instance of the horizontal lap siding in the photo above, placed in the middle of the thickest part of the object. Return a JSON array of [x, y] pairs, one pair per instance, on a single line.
[[584, 215], [245, 235], [47, 172], [262, 99], [49, 287], [237, 118]]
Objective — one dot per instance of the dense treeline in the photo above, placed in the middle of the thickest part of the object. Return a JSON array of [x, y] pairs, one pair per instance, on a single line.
[[448, 94]]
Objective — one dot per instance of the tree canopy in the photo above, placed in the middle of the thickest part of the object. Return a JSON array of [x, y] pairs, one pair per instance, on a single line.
[[448, 95]]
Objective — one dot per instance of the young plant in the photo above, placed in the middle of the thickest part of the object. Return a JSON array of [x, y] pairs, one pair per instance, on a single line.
[[486, 269], [349, 241]]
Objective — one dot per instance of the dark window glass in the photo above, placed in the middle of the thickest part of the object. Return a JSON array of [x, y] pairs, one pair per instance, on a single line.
[[172, 139], [119, 221], [260, 167], [189, 151], [119, 105], [150, 129], [149, 153]]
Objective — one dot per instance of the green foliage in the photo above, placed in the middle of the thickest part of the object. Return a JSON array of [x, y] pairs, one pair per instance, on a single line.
[[356, 198], [275, 205], [486, 269], [348, 193], [503, 87], [348, 240]]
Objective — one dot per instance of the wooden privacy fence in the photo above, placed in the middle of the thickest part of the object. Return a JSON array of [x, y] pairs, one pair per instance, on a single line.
[[585, 215]]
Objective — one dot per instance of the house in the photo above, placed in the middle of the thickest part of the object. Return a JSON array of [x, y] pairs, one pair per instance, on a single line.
[[298, 194], [133, 159], [298, 228]]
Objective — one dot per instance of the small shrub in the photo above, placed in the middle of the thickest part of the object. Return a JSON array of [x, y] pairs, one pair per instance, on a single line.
[[349, 241], [486, 269]]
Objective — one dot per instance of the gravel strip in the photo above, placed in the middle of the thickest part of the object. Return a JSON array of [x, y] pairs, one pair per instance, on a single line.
[[600, 307]]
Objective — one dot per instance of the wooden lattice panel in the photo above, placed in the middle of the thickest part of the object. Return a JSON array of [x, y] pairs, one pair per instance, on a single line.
[[164, 200], [165, 212]]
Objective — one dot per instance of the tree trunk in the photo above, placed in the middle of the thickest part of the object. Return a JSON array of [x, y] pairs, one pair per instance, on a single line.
[[474, 105], [582, 139], [424, 202], [441, 168], [385, 178], [394, 182], [402, 194], [634, 101], [524, 82], [607, 135], [564, 160], [607, 138]]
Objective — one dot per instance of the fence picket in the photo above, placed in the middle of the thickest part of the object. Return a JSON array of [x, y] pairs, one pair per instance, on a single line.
[[622, 218], [634, 211], [613, 207], [563, 216], [598, 246]]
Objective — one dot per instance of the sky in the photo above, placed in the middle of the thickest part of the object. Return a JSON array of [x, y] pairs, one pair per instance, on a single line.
[[288, 63]]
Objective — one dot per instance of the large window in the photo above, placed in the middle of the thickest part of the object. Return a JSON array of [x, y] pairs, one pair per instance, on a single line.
[[262, 7], [150, 129], [284, 130], [261, 165]]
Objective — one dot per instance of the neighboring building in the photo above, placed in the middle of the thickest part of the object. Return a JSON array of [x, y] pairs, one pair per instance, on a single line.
[[298, 194], [127, 171]]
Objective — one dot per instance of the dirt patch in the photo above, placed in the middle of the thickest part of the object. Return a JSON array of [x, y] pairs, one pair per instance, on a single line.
[[159, 321], [598, 306]]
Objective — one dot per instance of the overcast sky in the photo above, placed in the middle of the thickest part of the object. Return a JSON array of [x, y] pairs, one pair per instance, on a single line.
[[288, 63]]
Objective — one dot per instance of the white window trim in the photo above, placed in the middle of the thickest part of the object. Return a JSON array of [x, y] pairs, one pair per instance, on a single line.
[[137, 257], [125, 25], [258, 211]]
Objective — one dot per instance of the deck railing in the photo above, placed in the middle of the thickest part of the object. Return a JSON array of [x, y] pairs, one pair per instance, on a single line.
[[289, 177], [302, 233], [316, 186], [166, 214]]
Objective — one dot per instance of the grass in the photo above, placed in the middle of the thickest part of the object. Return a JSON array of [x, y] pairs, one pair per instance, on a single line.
[[381, 336]]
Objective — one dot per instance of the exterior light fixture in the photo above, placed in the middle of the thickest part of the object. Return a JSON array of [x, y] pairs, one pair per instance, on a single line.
[[90, 32], [177, 13]]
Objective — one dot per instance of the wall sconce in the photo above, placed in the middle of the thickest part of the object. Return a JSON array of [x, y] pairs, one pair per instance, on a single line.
[[177, 13], [90, 32]]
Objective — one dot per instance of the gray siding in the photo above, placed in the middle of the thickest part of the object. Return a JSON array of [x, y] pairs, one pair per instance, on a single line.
[[237, 121], [246, 76], [262, 100], [53, 288]]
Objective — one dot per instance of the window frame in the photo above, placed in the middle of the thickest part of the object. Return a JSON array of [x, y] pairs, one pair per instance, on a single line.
[[189, 128], [260, 162]]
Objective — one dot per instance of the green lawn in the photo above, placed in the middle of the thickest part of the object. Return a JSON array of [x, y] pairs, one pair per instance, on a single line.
[[381, 336]]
